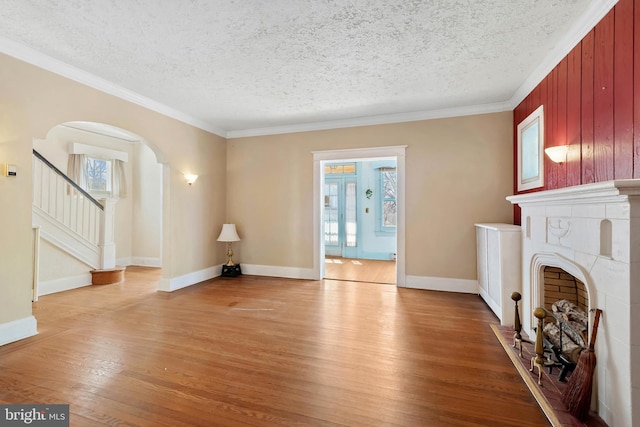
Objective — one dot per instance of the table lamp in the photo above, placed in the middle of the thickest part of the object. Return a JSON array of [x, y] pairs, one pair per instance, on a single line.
[[229, 234]]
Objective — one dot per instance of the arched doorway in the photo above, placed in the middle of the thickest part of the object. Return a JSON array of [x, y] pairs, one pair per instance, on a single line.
[[138, 217]]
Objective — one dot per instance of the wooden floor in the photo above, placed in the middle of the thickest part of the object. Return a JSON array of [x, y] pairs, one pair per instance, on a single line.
[[360, 270], [253, 351]]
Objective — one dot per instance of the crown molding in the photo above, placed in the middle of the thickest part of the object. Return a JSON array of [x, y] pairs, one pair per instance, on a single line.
[[33, 57], [374, 120], [597, 10]]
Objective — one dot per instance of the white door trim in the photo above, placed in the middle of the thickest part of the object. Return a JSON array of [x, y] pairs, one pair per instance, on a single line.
[[319, 158]]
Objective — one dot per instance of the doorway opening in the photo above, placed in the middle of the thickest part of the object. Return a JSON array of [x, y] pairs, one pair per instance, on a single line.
[[337, 229], [83, 156], [359, 221]]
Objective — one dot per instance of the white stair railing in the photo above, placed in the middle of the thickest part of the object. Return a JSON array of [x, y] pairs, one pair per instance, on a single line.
[[70, 218]]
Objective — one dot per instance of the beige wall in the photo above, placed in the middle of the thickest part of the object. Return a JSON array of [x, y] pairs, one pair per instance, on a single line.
[[458, 172], [32, 101], [147, 205]]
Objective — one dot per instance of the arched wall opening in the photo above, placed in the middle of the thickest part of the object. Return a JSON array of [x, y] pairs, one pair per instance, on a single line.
[[542, 262], [138, 211]]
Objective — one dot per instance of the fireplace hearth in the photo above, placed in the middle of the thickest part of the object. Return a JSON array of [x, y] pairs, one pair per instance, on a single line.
[[592, 232], [549, 396]]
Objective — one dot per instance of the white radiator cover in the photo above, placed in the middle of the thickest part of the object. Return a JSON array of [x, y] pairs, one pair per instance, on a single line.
[[498, 247], [593, 232]]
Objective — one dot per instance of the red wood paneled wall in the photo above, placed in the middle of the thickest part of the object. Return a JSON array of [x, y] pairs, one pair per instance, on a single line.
[[592, 103]]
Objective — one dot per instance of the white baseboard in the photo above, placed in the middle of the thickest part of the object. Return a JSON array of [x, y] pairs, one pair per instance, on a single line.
[[416, 282], [442, 284], [146, 261], [18, 329], [275, 271], [140, 261], [126, 261], [64, 284], [175, 283]]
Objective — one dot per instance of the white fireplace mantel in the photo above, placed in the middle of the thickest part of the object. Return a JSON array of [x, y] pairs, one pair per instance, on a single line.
[[602, 191], [592, 231]]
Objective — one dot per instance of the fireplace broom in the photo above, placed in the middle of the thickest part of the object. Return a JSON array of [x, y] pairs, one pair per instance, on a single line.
[[577, 395]]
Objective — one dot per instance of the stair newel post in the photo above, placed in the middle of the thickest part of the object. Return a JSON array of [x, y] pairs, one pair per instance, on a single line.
[[107, 232]]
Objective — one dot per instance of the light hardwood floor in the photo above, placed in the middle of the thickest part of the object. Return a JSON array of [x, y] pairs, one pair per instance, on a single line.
[[254, 351], [360, 270]]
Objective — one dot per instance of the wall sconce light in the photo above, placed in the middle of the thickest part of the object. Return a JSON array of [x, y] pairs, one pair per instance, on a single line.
[[190, 178], [557, 154]]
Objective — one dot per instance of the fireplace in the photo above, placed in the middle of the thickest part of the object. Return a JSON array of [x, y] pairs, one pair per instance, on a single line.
[[592, 232], [560, 285]]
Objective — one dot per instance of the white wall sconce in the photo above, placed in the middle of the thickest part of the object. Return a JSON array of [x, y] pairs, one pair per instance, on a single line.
[[557, 154], [190, 178]]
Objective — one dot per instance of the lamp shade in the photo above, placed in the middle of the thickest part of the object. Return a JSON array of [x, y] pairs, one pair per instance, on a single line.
[[557, 154], [191, 178], [228, 233]]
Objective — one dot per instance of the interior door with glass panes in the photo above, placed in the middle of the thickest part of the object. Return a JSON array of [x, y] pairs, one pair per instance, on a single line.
[[340, 221]]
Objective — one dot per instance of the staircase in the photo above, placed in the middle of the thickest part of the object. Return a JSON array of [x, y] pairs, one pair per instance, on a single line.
[[73, 221]]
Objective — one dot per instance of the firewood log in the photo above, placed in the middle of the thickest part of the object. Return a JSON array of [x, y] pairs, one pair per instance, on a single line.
[[569, 348], [570, 311], [576, 321]]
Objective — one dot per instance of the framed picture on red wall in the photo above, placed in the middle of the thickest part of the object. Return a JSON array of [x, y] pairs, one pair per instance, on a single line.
[[530, 151]]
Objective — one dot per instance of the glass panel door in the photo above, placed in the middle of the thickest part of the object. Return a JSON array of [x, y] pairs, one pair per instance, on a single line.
[[340, 217], [332, 244], [351, 224]]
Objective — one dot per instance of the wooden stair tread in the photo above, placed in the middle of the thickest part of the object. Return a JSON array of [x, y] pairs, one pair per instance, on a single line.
[[108, 276]]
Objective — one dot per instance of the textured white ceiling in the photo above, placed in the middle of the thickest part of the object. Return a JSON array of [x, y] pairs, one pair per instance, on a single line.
[[241, 65]]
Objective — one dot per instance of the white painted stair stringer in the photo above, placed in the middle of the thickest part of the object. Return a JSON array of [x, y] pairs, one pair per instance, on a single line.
[[67, 240]]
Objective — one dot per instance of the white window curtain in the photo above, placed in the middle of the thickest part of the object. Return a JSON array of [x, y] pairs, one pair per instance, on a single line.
[[77, 169], [119, 184]]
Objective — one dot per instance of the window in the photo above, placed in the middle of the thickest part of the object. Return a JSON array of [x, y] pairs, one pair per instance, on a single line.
[[389, 187], [99, 173], [340, 169], [530, 151]]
